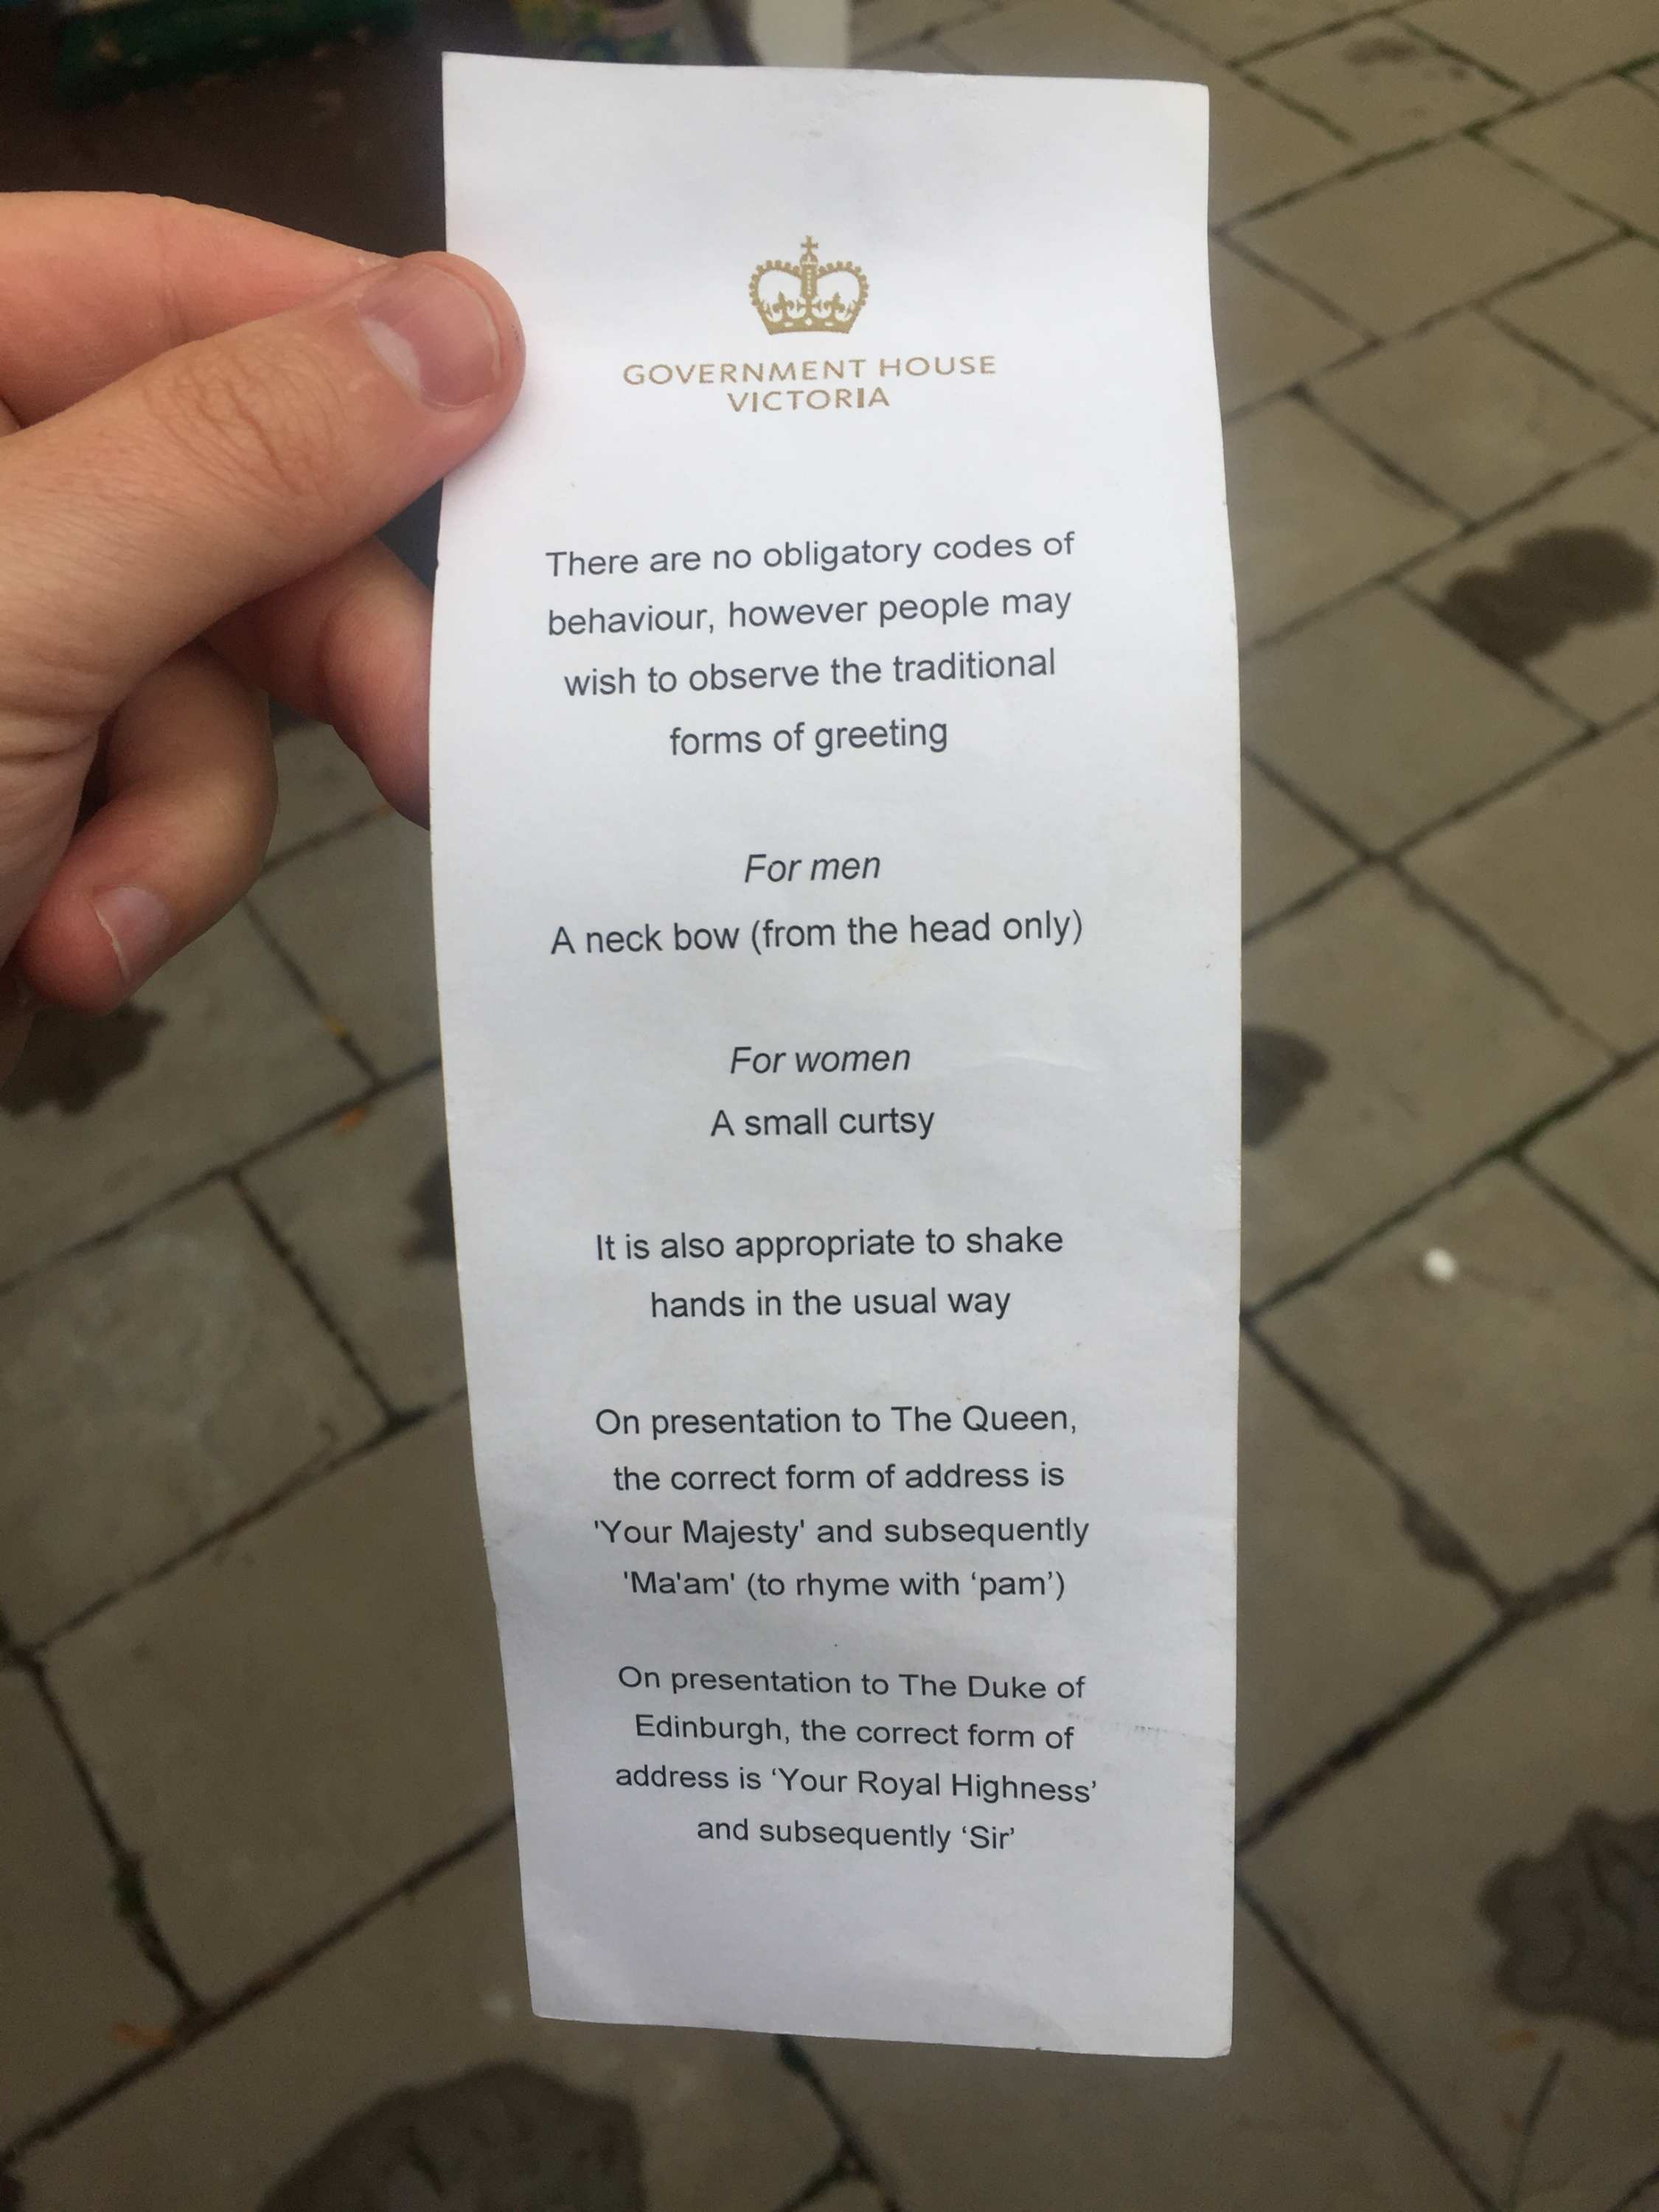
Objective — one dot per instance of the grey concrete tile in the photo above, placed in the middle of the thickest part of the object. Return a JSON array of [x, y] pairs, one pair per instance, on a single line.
[[219, 1053], [1287, 852], [1408, 239], [1442, 1888], [1238, 28], [1600, 143], [431, 1989], [1267, 336], [355, 916], [294, 1721], [1312, 516], [1566, 587], [915, 54], [1431, 1053], [1543, 48], [1259, 148], [74, 1978], [1563, 875], [879, 25], [1600, 314], [1387, 719], [363, 1204], [1606, 1158], [1294, 2121], [1383, 87], [1339, 1614], [1520, 1400], [152, 1389], [321, 787], [1477, 418]]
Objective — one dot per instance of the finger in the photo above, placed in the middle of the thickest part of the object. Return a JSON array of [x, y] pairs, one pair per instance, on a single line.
[[348, 644], [97, 283], [190, 788], [231, 465]]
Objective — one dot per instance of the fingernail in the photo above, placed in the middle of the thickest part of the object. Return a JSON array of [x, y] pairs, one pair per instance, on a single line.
[[138, 925], [435, 333]]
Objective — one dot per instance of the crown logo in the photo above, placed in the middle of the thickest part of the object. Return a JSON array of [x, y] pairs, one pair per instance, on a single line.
[[808, 294]]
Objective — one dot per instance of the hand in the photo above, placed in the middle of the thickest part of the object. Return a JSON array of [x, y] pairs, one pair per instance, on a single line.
[[202, 419]]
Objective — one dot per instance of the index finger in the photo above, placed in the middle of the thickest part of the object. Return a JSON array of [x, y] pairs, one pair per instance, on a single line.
[[93, 284]]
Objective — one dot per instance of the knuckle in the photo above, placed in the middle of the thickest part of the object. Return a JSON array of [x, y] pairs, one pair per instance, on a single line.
[[265, 426]]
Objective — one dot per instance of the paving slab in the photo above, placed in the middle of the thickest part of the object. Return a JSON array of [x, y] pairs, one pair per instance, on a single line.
[[219, 1053], [321, 787], [355, 916], [1237, 28], [1383, 86], [1390, 1052], [1410, 238], [1387, 719], [1567, 588], [1312, 516], [152, 1389], [1340, 1614], [1287, 852], [1606, 1159], [430, 1991], [1598, 313], [1294, 2121], [925, 53], [363, 1204], [1522, 1400], [74, 1977], [877, 26], [1260, 148], [1600, 142], [1268, 335], [1471, 415], [1445, 1891], [1562, 873], [296, 1719], [1542, 48]]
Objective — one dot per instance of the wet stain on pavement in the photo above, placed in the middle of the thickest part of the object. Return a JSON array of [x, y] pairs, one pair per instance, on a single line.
[[429, 1202], [503, 2139], [71, 1060], [1280, 1068], [1437, 1543], [1553, 585], [1582, 1924]]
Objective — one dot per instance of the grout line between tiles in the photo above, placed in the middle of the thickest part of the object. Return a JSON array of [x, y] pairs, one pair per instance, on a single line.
[[210, 2017], [1480, 133], [380, 1088], [795, 2058], [130, 1898], [1411, 1498], [289, 1260], [316, 1472], [302, 983], [1508, 1147], [1363, 2043]]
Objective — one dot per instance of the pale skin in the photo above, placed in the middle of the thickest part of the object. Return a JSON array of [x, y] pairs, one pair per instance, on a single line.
[[202, 421]]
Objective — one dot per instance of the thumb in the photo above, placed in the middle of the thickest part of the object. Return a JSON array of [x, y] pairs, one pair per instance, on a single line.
[[224, 468]]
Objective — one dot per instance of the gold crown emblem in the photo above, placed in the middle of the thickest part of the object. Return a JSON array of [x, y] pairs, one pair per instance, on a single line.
[[808, 294]]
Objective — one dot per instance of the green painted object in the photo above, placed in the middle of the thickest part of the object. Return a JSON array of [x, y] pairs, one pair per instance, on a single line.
[[118, 49]]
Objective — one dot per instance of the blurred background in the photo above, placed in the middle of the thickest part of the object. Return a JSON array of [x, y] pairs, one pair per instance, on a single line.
[[259, 1938]]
